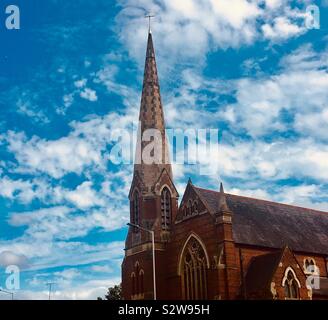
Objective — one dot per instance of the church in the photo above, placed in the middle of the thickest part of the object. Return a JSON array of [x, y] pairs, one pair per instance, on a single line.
[[214, 245]]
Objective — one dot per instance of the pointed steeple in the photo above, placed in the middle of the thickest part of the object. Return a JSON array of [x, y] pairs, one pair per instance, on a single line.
[[150, 75], [151, 117], [223, 206]]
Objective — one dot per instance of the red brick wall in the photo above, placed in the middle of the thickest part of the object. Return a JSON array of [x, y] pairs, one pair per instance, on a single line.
[[212, 236], [319, 260], [202, 226], [223, 280], [288, 260], [150, 218]]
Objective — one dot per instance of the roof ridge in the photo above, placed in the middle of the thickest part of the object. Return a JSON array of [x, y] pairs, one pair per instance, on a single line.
[[264, 200]]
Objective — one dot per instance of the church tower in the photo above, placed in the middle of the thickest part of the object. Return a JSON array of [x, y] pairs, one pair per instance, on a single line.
[[153, 196]]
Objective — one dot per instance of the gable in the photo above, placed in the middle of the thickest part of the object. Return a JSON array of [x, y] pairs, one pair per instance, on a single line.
[[136, 184], [265, 274], [165, 180], [191, 204]]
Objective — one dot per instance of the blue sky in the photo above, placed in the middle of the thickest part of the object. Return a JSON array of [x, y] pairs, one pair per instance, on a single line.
[[73, 73]]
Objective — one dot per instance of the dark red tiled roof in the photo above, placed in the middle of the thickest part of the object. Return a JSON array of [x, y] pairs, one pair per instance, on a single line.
[[270, 224]]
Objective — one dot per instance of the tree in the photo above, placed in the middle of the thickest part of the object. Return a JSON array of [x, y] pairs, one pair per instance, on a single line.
[[113, 293]]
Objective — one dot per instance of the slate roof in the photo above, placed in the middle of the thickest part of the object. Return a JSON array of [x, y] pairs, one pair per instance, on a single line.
[[261, 270], [270, 224]]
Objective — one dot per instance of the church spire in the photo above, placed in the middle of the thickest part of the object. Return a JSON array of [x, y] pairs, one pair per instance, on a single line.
[[150, 75], [151, 117]]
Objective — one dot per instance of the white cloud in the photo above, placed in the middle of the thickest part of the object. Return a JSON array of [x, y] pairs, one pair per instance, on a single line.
[[44, 253], [305, 58], [84, 196], [252, 193], [24, 191], [300, 89], [102, 268], [272, 4], [25, 107], [313, 124], [68, 274], [130, 96], [187, 30], [85, 149], [8, 258], [236, 12], [276, 160], [80, 83], [68, 100], [68, 154], [89, 94], [303, 195], [281, 28], [297, 195], [12, 188], [49, 231], [65, 223]]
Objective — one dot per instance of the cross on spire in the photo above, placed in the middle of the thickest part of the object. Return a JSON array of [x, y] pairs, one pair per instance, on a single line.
[[149, 16]]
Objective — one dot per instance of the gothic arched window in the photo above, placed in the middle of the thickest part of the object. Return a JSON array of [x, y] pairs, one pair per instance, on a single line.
[[195, 208], [166, 208], [137, 282], [133, 283], [136, 210], [141, 281], [310, 266], [193, 271], [137, 271], [291, 286], [189, 207]]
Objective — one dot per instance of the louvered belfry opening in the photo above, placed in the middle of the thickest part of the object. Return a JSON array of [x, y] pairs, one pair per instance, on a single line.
[[166, 208]]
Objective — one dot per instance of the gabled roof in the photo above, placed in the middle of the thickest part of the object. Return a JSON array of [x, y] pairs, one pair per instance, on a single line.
[[270, 224], [261, 271]]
